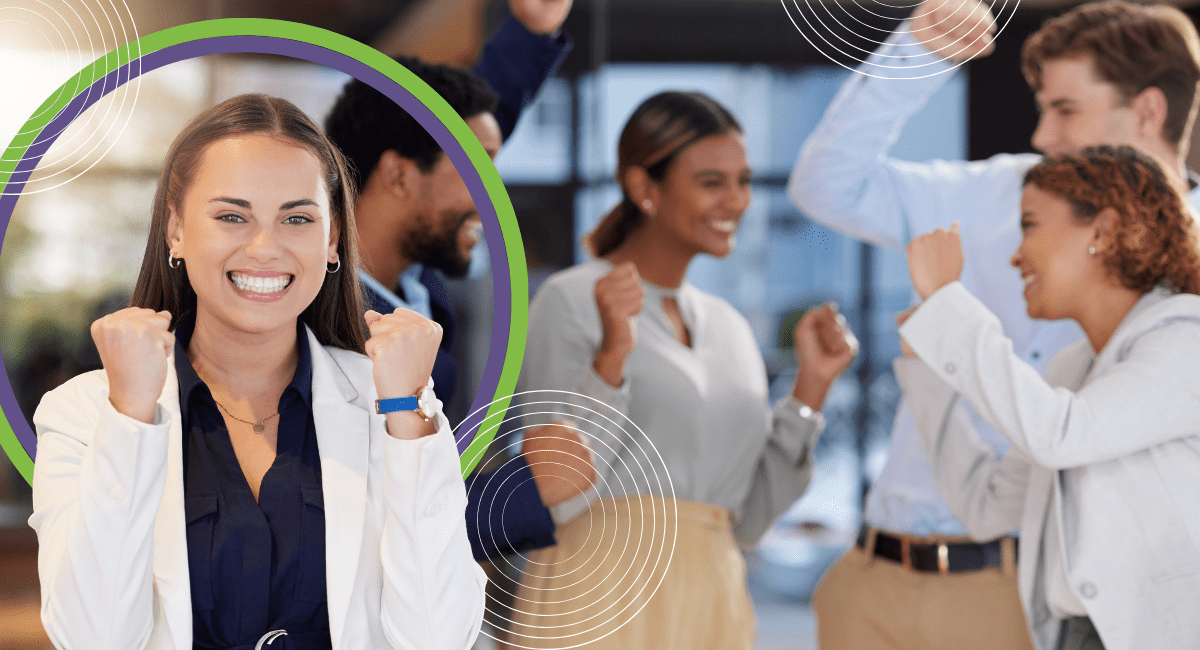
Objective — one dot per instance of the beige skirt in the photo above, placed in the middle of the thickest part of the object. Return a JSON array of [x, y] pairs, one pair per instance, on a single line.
[[634, 573]]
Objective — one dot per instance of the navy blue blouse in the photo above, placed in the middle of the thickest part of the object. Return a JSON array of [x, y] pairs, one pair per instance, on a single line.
[[255, 566]]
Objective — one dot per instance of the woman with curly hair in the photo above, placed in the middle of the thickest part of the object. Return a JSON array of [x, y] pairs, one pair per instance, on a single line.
[[1104, 469]]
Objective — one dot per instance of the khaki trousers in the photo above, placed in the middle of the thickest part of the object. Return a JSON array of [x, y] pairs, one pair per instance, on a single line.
[[868, 603], [608, 583]]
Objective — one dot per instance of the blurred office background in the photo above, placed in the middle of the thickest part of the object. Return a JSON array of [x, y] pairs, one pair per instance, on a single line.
[[71, 252]]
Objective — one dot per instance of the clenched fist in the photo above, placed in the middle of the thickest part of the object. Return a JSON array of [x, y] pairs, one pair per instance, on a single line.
[[540, 16], [134, 344], [825, 346], [955, 30], [619, 297], [935, 259], [403, 346]]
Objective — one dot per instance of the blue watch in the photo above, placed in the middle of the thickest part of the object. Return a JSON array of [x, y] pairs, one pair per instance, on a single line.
[[425, 403]]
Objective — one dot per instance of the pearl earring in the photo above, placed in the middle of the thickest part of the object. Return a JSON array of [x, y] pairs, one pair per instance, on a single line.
[[648, 205], [1092, 250]]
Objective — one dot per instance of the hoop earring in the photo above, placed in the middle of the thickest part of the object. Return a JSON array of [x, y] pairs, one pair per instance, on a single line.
[[334, 269], [174, 262]]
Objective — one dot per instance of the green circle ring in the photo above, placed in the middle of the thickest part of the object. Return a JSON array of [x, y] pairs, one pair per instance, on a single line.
[[464, 150]]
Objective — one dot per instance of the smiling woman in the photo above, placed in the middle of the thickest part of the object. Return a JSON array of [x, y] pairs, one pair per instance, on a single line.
[[627, 330], [1105, 460], [229, 478]]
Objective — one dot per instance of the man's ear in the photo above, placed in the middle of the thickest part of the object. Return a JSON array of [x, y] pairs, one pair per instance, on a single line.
[[1150, 110], [175, 233], [397, 174]]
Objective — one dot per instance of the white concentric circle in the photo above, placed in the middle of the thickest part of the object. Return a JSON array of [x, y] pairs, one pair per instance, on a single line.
[[839, 32], [627, 523], [43, 45]]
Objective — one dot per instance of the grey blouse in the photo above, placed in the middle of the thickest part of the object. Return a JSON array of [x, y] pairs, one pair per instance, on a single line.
[[703, 409]]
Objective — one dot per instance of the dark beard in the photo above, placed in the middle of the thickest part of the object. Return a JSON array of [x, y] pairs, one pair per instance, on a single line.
[[440, 249]]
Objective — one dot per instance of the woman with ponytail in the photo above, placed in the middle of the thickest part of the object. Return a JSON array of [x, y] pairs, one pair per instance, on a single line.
[[625, 332]]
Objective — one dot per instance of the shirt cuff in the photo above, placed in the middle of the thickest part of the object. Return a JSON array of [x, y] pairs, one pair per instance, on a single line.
[[594, 386], [801, 426]]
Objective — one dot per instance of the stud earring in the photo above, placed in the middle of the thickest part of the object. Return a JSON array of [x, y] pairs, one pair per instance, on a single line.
[[1092, 250], [648, 206]]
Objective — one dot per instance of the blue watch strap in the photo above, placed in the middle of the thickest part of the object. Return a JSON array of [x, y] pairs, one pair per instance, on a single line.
[[393, 404]]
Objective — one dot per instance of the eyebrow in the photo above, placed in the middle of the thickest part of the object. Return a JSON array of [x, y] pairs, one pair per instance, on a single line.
[[243, 203]]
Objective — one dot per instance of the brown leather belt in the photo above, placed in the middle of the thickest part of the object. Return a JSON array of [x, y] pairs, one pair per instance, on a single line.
[[922, 554]]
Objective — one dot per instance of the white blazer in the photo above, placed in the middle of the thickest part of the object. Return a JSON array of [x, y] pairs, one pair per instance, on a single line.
[[1108, 445], [109, 513]]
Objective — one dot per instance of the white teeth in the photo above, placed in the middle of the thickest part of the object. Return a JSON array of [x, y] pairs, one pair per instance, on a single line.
[[256, 284], [1027, 279], [725, 226]]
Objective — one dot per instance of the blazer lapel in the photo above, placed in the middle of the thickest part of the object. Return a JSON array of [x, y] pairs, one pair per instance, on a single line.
[[344, 441], [171, 576]]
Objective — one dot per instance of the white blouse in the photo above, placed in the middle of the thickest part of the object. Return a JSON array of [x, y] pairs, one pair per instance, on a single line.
[[703, 408]]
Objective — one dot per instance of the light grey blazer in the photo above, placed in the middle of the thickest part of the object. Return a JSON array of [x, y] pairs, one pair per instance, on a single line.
[[1109, 445]]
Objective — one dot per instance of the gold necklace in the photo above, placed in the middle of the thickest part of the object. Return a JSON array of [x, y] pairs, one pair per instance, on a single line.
[[258, 426]]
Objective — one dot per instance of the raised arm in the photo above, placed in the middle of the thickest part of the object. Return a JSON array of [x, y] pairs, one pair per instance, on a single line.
[[824, 348], [528, 49], [844, 176], [570, 350], [432, 587], [1147, 398], [986, 493], [97, 486]]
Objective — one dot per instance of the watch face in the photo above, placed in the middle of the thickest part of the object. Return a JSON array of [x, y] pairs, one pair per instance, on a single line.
[[428, 403]]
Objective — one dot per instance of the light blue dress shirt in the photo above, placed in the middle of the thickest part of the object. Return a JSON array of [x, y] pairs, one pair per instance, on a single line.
[[845, 179], [410, 281]]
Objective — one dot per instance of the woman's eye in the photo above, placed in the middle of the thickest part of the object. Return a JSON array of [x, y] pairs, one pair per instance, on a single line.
[[297, 219], [230, 218]]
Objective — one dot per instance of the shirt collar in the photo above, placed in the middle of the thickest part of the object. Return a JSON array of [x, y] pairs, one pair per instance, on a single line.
[[189, 381]]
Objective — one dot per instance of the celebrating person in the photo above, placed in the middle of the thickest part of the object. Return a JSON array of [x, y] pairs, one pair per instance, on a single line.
[[247, 470], [626, 330], [1104, 72], [1105, 460], [418, 222]]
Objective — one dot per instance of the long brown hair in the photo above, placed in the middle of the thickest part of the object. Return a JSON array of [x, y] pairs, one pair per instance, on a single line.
[[1154, 239], [660, 128], [335, 315]]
